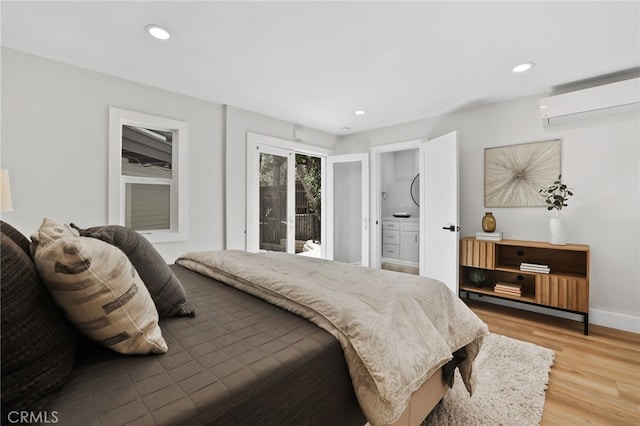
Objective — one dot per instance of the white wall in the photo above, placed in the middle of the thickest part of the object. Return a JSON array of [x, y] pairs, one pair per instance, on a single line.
[[600, 160], [55, 143], [238, 123]]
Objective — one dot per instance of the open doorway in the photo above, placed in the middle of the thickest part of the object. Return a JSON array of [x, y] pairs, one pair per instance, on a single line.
[[400, 210], [436, 229], [393, 176]]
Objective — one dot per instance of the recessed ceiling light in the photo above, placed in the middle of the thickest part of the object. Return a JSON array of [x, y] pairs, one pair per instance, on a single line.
[[525, 66], [359, 112], [158, 32]]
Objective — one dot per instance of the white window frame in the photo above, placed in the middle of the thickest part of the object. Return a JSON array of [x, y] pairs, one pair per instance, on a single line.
[[178, 183]]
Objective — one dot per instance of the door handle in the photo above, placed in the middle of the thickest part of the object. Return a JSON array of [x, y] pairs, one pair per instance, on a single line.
[[451, 228]]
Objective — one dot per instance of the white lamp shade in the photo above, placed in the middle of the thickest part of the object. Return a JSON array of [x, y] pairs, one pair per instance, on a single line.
[[5, 192]]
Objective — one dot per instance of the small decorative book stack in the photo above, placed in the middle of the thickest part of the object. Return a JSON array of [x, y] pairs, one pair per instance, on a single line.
[[535, 267], [510, 289]]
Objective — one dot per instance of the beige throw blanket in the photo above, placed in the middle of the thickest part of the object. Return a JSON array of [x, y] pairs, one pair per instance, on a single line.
[[396, 329]]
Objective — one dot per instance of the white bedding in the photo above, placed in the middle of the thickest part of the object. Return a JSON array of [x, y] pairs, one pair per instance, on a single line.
[[396, 329]]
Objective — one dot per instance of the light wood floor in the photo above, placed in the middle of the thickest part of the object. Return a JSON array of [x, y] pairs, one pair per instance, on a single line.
[[595, 379]]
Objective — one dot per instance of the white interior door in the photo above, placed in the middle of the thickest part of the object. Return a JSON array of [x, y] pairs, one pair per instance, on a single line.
[[439, 231], [348, 208]]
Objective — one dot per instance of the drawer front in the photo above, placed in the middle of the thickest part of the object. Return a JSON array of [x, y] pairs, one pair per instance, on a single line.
[[410, 226], [392, 251], [391, 225], [390, 237]]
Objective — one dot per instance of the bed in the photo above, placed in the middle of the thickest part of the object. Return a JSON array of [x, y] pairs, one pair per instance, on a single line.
[[242, 360], [401, 335]]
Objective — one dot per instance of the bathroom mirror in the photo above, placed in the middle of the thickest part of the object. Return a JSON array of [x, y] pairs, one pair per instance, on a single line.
[[415, 190]]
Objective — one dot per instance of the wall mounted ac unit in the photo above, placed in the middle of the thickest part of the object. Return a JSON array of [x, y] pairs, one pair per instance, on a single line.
[[597, 101]]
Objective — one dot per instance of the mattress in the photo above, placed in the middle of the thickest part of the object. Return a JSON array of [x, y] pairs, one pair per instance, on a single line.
[[239, 361]]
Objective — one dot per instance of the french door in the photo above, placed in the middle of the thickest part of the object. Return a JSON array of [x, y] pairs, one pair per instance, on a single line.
[[276, 198], [285, 198]]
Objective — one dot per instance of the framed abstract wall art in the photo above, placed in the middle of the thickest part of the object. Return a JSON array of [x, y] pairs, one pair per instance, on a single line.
[[514, 174]]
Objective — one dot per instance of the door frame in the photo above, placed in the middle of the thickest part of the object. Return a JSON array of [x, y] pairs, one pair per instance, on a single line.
[[363, 158], [254, 141], [376, 191]]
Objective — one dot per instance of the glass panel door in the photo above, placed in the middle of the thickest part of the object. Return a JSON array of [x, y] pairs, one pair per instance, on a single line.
[[285, 200], [308, 205], [275, 220]]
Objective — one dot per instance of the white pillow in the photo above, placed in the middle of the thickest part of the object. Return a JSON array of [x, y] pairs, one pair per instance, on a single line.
[[101, 293]]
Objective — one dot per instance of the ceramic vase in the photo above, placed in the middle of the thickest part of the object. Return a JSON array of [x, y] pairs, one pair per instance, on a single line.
[[488, 222], [557, 231]]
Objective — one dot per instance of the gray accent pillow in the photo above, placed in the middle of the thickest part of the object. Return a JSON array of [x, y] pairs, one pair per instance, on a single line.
[[165, 288], [38, 344]]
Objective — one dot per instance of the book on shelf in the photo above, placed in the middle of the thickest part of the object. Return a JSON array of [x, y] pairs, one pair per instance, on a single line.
[[510, 289], [535, 267], [489, 236], [505, 286], [508, 293]]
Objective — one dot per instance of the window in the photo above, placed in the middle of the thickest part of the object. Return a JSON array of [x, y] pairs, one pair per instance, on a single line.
[[146, 178]]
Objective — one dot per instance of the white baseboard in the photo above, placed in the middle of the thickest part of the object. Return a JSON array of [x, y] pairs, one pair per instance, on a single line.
[[615, 320], [596, 316]]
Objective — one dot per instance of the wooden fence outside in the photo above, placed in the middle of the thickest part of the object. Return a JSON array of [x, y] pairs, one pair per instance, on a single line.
[[273, 216]]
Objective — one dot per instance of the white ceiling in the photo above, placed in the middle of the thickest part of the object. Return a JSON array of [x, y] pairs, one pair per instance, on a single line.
[[314, 63]]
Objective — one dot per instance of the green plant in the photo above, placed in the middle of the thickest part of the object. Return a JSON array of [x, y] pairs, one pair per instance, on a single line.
[[477, 276], [557, 194]]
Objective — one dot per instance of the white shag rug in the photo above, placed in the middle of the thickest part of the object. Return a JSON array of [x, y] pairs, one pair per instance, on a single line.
[[511, 379]]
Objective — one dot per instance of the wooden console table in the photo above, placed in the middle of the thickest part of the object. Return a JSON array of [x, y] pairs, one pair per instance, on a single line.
[[565, 287]]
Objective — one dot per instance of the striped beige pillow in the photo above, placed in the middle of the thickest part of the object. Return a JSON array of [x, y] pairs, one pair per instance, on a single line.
[[51, 230], [101, 293]]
